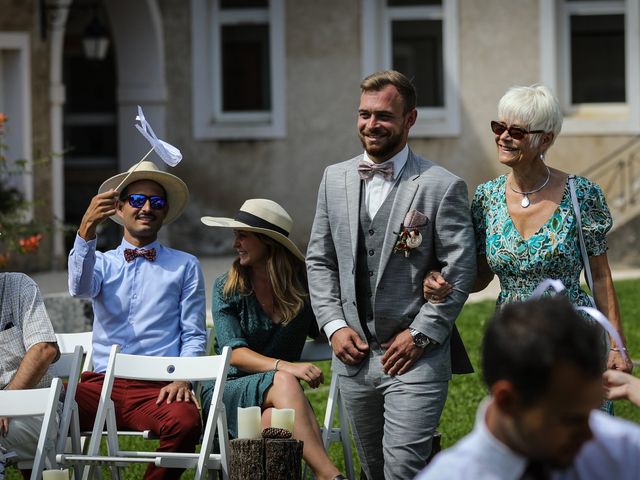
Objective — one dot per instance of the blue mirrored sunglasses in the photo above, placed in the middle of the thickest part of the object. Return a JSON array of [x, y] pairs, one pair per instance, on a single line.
[[137, 200]]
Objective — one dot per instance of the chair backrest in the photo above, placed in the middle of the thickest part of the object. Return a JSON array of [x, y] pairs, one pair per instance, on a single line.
[[68, 341], [315, 351], [170, 369], [31, 402]]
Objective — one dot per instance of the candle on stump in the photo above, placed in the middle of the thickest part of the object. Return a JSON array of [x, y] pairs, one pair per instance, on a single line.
[[249, 422], [283, 418], [55, 474]]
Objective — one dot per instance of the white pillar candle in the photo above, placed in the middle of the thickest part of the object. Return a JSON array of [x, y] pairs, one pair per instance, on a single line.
[[283, 418], [55, 474], [249, 422]]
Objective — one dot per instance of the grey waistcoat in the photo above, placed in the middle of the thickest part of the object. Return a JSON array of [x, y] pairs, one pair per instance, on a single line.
[[370, 239]]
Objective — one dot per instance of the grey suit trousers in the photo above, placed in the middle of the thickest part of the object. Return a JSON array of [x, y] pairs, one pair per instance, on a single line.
[[393, 421]]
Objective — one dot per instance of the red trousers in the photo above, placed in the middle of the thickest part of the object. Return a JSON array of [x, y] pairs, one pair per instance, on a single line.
[[177, 424]]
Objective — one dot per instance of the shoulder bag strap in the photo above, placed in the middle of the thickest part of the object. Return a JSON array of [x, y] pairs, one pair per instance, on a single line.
[[583, 248]]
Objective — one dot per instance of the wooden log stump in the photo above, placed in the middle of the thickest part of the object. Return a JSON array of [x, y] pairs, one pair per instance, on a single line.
[[265, 459], [247, 459], [283, 459]]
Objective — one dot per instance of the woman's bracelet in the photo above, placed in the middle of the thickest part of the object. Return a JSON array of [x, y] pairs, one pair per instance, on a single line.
[[616, 349], [275, 366]]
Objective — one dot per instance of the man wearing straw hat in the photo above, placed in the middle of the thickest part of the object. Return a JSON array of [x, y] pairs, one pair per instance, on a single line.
[[384, 219], [147, 298]]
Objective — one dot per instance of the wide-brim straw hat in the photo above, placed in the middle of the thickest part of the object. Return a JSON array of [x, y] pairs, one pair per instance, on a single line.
[[262, 216], [176, 189]]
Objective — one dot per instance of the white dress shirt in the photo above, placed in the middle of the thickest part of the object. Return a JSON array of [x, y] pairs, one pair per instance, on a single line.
[[613, 452], [376, 190]]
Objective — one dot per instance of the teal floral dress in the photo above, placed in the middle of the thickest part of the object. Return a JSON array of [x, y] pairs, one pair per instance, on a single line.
[[552, 252], [240, 322]]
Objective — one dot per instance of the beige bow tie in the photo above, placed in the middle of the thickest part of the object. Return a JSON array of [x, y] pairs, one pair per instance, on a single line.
[[367, 170]]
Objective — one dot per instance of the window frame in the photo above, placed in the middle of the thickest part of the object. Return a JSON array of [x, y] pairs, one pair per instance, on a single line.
[[16, 104], [376, 40], [209, 120], [612, 118]]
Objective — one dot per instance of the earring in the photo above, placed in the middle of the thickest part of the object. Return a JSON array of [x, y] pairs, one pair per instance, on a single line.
[[542, 157]]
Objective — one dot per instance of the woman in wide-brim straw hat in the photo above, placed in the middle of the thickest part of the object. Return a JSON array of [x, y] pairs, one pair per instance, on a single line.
[[261, 310]]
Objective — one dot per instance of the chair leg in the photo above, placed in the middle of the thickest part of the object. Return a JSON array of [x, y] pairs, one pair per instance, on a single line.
[[345, 438], [223, 440]]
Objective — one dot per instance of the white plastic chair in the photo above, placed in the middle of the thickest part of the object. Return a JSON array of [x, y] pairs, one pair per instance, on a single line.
[[315, 351], [33, 402], [160, 369]]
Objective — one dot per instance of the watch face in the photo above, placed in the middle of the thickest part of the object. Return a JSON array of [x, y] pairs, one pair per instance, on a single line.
[[420, 339]]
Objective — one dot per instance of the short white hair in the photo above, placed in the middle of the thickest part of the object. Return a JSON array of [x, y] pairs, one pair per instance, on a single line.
[[533, 108]]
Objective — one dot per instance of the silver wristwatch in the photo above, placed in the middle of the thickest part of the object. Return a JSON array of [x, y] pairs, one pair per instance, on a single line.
[[420, 340]]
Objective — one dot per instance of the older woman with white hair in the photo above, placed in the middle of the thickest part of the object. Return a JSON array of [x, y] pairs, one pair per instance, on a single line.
[[525, 223]]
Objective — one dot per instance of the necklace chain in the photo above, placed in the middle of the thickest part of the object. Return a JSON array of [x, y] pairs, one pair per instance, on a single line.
[[525, 195]]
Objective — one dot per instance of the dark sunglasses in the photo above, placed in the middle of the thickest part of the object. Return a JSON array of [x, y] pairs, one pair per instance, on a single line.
[[516, 133], [137, 200]]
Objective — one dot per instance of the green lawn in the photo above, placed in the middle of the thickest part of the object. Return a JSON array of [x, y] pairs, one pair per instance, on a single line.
[[467, 390]]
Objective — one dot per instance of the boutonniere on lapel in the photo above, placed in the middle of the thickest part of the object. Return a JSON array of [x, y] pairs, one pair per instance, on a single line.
[[409, 236]]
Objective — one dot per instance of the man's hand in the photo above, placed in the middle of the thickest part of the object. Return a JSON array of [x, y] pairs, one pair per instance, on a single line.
[[348, 346], [177, 391], [435, 288], [401, 354], [4, 426], [102, 206]]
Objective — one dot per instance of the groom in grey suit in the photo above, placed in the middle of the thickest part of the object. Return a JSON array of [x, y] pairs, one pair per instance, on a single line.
[[383, 220]]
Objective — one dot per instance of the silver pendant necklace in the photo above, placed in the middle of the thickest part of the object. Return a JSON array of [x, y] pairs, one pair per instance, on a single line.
[[525, 195]]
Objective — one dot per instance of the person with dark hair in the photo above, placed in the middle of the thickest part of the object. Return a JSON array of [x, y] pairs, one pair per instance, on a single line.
[[383, 219], [541, 420], [147, 298], [261, 311]]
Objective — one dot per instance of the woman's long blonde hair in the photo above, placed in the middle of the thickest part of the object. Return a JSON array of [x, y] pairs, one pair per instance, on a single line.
[[287, 275]]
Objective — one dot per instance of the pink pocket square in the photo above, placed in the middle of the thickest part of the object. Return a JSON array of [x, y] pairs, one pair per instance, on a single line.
[[414, 219]]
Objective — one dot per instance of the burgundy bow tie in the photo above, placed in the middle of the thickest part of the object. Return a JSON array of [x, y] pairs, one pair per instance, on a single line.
[[367, 170], [131, 253]]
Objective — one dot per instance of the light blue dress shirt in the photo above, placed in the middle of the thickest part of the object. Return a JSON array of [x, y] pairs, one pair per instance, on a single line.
[[148, 308], [612, 453]]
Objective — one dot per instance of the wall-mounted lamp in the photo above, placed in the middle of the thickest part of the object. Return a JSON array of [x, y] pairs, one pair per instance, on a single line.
[[95, 40]]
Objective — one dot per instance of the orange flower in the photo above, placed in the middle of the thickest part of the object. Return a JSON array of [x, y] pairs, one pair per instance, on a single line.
[[30, 244], [3, 118]]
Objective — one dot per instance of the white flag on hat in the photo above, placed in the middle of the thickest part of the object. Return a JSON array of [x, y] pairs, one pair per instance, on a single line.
[[167, 152]]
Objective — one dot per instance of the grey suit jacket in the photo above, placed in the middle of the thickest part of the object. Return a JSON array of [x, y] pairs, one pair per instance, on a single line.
[[448, 244]]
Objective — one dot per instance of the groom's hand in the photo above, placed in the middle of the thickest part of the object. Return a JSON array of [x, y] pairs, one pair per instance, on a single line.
[[401, 354], [348, 346]]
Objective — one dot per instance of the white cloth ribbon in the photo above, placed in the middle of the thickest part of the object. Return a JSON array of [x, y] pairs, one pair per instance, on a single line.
[[167, 152], [597, 315]]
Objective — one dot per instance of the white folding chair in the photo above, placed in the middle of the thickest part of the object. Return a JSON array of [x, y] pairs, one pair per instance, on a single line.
[[67, 366], [160, 369], [33, 402], [67, 343], [315, 351]]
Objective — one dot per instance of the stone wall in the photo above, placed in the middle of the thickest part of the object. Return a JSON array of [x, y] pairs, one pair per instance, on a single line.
[[69, 315]]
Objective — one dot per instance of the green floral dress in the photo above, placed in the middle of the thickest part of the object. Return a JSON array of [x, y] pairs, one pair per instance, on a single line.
[[552, 252], [240, 322]]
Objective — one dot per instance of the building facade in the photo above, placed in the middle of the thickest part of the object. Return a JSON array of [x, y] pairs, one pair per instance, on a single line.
[[261, 95]]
